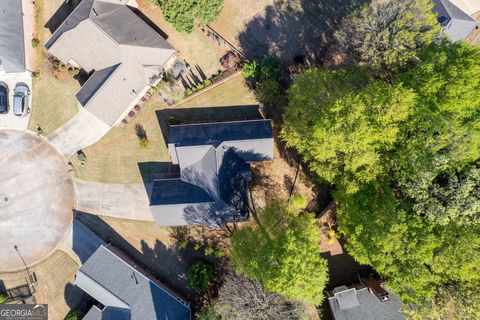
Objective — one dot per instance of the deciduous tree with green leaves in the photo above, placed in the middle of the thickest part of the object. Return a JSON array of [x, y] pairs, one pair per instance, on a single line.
[[412, 213], [282, 252], [451, 302], [183, 13], [342, 122], [385, 35]]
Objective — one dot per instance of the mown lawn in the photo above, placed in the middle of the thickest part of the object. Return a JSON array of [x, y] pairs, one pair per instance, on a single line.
[[116, 158], [53, 101], [232, 92]]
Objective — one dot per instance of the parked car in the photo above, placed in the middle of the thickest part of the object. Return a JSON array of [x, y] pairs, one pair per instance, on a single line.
[[20, 99], [3, 98]]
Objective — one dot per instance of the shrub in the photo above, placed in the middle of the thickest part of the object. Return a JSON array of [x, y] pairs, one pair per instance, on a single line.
[[35, 74], [73, 71], [215, 252], [199, 276], [200, 86], [172, 121], [35, 42], [183, 13], [144, 142], [207, 82], [209, 250], [182, 244], [75, 315], [250, 69], [268, 91], [207, 314], [189, 92], [3, 298], [194, 89]]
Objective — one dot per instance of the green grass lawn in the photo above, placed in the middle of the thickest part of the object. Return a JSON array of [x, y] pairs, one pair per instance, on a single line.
[[116, 158], [53, 101]]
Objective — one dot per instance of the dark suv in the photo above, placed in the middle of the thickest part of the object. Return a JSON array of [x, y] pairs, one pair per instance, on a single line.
[[3, 98]]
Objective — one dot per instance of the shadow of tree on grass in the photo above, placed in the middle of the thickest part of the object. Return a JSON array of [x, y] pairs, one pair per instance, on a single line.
[[294, 30]]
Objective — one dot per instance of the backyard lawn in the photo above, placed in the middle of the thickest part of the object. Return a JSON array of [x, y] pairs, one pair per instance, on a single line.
[[115, 158], [53, 101]]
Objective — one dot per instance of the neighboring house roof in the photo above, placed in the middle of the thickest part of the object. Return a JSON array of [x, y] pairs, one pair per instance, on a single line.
[[212, 187], [12, 45], [126, 54], [468, 6], [126, 291], [456, 24], [361, 304]]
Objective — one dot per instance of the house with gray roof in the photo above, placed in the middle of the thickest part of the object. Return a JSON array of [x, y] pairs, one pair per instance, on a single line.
[[12, 46], [366, 300], [124, 54], [211, 187], [125, 291], [456, 23]]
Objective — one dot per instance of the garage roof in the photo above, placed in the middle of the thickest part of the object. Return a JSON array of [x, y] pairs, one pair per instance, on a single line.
[[12, 47]]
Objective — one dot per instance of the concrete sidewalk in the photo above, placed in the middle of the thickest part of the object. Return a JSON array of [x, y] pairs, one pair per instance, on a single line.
[[125, 201], [83, 130]]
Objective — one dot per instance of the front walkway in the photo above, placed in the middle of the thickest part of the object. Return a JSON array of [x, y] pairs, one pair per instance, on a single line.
[[83, 130], [125, 201]]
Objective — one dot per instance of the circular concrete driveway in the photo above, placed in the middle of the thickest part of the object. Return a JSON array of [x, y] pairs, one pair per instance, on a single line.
[[36, 198]]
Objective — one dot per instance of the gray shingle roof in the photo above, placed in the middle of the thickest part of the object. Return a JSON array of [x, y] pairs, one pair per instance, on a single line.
[[213, 157], [456, 24], [363, 305], [216, 133], [102, 36], [94, 83], [12, 47], [109, 313], [124, 290], [176, 191]]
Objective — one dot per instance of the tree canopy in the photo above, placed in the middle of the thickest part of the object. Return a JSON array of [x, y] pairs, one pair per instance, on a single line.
[[242, 298], [183, 13], [282, 252], [411, 211], [386, 35], [342, 122]]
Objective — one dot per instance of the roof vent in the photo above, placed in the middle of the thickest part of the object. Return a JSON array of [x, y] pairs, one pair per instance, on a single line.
[[346, 297]]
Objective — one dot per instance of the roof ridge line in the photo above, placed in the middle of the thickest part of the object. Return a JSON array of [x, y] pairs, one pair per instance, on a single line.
[[218, 122], [103, 287], [149, 280], [117, 66]]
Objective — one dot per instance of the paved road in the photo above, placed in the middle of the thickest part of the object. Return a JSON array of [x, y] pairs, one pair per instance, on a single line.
[[126, 201], [36, 198], [83, 130]]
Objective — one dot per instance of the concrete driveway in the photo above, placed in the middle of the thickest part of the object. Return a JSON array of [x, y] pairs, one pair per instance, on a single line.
[[9, 120], [83, 130], [126, 201]]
